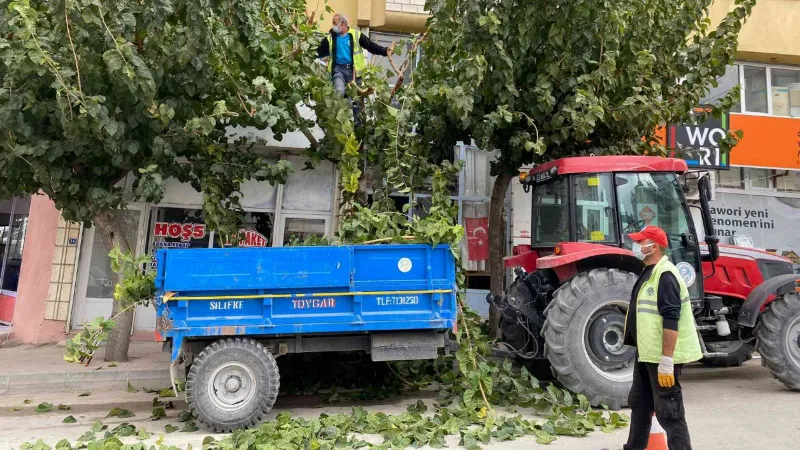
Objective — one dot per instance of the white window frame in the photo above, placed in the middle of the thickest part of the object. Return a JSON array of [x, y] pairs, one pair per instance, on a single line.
[[748, 189], [280, 229], [742, 99]]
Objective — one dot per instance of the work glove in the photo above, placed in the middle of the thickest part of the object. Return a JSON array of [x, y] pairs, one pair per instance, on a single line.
[[666, 372]]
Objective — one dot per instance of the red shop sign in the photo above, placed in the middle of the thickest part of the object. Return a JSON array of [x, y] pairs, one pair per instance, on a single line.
[[249, 238], [182, 231]]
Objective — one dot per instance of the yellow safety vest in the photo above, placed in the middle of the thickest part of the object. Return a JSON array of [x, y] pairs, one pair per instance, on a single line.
[[359, 62], [650, 324]]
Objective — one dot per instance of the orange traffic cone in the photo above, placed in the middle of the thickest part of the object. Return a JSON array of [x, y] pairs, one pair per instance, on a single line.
[[658, 437]]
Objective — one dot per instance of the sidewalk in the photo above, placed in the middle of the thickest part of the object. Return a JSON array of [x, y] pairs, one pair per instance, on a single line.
[[30, 369]]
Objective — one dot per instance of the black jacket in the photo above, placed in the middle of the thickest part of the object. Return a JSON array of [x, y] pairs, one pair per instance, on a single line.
[[365, 43]]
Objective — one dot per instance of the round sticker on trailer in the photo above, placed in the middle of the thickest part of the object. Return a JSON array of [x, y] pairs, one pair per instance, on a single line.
[[687, 273], [404, 265]]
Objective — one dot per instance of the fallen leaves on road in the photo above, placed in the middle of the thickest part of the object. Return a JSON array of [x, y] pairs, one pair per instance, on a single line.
[[44, 407], [121, 413], [69, 419]]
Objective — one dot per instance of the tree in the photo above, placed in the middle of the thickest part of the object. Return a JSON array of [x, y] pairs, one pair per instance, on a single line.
[[540, 80], [93, 92]]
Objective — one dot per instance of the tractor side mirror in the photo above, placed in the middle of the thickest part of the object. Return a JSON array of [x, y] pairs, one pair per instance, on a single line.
[[712, 240]]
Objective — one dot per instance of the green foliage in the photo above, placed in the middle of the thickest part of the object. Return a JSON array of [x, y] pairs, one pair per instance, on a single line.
[[69, 419], [93, 92], [540, 80]]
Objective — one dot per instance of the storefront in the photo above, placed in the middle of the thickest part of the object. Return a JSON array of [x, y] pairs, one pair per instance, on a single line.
[[275, 215], [13, 226]]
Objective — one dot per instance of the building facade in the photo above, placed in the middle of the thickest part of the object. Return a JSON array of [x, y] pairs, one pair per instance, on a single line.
[[55, 275]]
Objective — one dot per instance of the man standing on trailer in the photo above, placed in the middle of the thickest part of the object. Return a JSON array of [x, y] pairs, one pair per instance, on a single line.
[[661, 326], [344, 48]]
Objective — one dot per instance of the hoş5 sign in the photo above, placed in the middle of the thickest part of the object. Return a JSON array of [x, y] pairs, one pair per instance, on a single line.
[[699, 142]]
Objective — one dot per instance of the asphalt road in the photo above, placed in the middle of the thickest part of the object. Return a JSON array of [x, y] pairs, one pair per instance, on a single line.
[[731, 409]]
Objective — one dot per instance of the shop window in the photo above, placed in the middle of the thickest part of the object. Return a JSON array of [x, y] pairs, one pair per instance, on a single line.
[[725, 84], [732, 179], [785, 92], [256, 231], [759, 178], [13, 226], [178, 228], [594, 209], [300, 229], [755, 89], [788, 181]]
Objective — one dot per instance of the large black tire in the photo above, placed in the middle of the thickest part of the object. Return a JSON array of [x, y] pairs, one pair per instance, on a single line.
[[778, 334], [738, 353], [569, 318], [232, 384]]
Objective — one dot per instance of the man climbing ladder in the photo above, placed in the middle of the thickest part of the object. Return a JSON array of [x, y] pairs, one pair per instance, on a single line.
[[344, 48]]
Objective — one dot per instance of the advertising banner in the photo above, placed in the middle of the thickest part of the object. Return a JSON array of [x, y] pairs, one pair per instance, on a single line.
[[771, 222]]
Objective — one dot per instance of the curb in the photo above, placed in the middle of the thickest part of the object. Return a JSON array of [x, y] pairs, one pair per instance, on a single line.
[[49, 382]]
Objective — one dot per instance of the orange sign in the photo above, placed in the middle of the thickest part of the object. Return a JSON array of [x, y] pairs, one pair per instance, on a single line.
[[768, 141]]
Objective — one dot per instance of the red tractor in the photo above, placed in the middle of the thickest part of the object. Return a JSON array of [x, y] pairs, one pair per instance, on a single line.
[[565, 311]]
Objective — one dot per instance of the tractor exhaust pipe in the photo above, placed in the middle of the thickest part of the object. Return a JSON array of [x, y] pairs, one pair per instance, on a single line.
[[712, 240]]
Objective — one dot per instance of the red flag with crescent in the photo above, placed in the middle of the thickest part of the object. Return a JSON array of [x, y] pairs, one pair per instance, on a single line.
[[477, 238]]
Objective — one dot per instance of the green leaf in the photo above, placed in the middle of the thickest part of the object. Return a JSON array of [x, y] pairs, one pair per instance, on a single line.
[[131, 389], [64, 407], [158, 413], [121, 413], [189, 427], [26, 401], [44, 407], [98, 426], [69, 419], [170, 428], [185, 416], [143, 434]]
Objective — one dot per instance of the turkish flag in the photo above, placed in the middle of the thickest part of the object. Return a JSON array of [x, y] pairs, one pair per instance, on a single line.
[[477, 238]]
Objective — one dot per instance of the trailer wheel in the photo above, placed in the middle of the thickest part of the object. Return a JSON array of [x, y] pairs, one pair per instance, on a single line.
[[778, 333], [233, 383], [584, 335]]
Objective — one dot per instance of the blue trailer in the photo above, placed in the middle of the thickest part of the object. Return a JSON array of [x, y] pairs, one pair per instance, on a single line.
[[229, 312]]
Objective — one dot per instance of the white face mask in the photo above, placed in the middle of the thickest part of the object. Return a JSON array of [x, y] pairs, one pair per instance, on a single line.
[[638, 253]]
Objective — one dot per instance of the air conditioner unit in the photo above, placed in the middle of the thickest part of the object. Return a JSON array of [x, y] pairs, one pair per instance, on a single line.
[[689, 182]]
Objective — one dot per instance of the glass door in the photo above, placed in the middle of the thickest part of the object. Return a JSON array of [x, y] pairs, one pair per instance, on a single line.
[[94, 293]]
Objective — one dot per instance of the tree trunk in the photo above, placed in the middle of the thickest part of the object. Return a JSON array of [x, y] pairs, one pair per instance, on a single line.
[[119, 338], [497, 248]]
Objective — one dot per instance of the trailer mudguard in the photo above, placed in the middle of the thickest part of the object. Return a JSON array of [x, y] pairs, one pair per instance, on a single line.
[[748, 314]]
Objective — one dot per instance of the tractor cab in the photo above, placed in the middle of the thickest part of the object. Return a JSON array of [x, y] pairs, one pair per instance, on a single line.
[[589, 205]]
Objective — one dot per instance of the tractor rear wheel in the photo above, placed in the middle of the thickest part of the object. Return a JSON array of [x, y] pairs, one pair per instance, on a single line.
[[778, 333], [584, 334], [737, 353], [233, 383]]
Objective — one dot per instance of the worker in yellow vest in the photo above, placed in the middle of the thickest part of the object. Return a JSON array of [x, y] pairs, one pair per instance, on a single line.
[[344, 47], [660, 324]]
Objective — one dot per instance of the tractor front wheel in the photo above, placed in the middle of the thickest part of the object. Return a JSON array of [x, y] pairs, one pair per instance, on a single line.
[[778, 336], [584, 334]]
